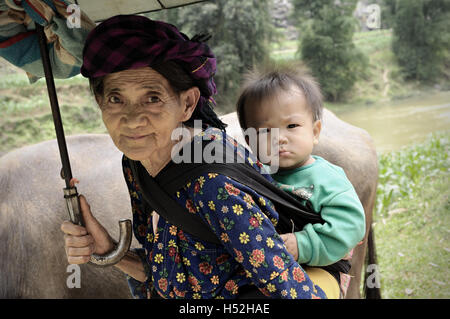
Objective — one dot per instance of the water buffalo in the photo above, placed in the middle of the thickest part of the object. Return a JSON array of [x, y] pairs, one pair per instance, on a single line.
[[33, 262]]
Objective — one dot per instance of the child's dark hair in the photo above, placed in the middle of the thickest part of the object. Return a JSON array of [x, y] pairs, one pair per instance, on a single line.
[[265, 82]]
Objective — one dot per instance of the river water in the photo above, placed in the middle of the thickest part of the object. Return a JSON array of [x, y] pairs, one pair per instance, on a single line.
[[399, 123]]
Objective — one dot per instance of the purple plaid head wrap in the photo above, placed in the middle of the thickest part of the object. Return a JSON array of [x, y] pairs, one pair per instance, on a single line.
[[129, 42]]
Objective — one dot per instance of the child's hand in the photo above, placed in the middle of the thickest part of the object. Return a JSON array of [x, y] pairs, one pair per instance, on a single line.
[[290, 241]]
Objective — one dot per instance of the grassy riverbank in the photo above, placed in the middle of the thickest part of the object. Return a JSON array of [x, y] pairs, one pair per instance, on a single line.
[[412, 220]]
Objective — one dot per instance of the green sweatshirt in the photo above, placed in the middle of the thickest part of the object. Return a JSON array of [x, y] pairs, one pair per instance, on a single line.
[[332, 195]]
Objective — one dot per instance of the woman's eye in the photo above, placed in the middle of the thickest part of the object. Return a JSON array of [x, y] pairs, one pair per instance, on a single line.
[[292, 125], [154, 99], [114, 99]]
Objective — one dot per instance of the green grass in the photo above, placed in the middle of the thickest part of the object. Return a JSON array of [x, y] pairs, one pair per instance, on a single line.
[[26, 114], [412, 221]]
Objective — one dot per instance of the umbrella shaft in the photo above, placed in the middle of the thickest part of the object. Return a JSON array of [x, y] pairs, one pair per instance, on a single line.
[[54, 104]]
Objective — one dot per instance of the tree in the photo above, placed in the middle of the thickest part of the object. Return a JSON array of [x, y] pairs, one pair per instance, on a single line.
[[327, 44], [387, 13], [239, 30], [421, 38]]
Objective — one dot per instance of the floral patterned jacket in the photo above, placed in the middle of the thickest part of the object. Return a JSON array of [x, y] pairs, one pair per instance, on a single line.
[[180, 265]]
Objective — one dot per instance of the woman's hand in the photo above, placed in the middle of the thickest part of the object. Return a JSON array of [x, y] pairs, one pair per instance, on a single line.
[[290, 241], [81, 242]]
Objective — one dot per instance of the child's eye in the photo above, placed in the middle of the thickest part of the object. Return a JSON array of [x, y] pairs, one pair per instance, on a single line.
[[292, 125]]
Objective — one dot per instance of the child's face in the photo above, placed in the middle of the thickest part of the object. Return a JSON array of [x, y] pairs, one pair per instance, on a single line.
[[298, 133]]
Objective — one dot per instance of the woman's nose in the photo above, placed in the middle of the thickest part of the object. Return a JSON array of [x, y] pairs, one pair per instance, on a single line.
[[135, 119]]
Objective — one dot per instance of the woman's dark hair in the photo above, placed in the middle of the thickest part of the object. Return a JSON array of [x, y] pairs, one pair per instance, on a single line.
[[180, 81], [268, 80]]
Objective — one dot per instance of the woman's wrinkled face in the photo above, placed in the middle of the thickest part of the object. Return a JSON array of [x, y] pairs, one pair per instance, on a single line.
[[140, 110]]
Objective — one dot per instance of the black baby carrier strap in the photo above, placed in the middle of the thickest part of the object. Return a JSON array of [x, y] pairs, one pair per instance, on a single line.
[[156, 192]]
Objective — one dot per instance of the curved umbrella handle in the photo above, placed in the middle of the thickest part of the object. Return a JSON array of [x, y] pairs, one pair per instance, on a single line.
[[120, 249]]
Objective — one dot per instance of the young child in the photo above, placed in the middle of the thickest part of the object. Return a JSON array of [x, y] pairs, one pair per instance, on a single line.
[[290, 100]]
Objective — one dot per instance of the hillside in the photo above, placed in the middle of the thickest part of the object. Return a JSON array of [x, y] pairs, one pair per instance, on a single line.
[[383, 81], [26, 117]]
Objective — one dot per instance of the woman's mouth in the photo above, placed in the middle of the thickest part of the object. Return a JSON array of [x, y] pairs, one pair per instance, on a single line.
[[135, 137]]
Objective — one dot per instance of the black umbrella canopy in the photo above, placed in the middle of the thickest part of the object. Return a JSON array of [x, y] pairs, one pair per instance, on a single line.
[[98, 10]]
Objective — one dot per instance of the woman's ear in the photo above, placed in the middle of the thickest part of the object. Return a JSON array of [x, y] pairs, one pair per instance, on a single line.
[[317, 127], [189, 100]]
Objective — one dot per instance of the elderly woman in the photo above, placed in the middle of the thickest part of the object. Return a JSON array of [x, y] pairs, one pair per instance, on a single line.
[[149, 79]]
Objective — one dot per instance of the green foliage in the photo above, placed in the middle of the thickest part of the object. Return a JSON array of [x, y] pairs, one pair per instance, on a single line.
[[421, 41], [387, 13], [240, 31], [27, 115], [327, 46], [411, 230], [402, 174], [311, 9]]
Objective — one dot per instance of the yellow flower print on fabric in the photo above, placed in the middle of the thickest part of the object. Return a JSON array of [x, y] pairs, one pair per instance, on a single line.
[[134, 194], [244, 238], [172, 243], [158, 258], [173, 230], [269, 242], [186, 261], [249, 200], [262, 201], [224, 237], [201, 180], [215, 279], [271, 288], [293, 293], [199, 246], [181, 277], [237, 209]]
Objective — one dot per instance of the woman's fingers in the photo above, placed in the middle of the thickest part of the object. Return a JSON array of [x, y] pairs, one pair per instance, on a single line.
[[81, 242], [70, 228], [79, 248], [93, 238], [77, 252], [78, 241], [79, 245], [78, 259]]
